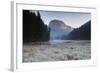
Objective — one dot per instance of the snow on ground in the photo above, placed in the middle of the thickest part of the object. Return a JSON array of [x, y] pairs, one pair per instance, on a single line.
[[46, 51]]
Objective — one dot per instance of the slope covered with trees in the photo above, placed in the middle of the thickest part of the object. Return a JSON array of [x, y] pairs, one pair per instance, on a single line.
[[81, 33], [34, 28]]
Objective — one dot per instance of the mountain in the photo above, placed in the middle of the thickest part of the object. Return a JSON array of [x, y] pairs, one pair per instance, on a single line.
[[58, 29], [81, 33]]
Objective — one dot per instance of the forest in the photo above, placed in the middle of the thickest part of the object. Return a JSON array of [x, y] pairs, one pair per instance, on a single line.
[[34, 28]]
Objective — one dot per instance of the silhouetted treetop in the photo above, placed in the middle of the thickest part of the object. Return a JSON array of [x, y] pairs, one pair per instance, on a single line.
[[34, 28]]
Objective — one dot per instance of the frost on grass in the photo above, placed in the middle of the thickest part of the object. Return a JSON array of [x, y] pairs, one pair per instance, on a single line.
[[66, 51]]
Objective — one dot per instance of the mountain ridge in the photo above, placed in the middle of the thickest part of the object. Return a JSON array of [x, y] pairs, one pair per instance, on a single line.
[[81, 33]]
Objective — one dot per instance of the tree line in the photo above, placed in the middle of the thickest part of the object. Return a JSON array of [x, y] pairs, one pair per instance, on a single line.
[[34, 29]]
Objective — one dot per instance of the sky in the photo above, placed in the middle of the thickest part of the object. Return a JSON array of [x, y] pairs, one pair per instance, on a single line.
[[73, 19]]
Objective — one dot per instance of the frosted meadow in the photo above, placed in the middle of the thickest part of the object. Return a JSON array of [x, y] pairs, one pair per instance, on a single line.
[[70, 50]]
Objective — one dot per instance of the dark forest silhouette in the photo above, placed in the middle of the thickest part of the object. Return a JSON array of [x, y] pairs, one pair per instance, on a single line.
[[34, 28], [81, 33]]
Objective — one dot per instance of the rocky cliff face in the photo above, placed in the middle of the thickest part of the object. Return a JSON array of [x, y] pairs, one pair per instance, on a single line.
[[58, 29]]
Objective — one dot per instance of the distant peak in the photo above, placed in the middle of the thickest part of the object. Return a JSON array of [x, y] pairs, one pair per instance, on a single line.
[[59, 23]]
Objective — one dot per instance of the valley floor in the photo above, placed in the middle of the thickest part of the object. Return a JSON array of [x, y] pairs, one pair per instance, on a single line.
[[46, 51]]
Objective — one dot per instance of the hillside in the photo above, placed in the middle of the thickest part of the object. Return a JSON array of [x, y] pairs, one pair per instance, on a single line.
[[81, 33]]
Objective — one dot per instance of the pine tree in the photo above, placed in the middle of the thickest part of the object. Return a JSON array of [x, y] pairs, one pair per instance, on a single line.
[[34, 28]]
